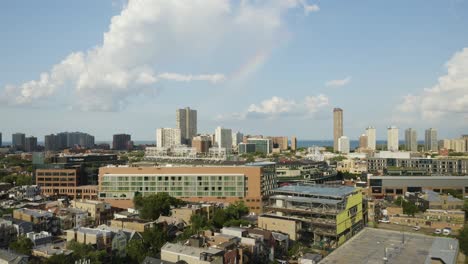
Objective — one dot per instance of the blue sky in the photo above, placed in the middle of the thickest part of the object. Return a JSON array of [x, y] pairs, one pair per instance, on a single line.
[[260, 67]]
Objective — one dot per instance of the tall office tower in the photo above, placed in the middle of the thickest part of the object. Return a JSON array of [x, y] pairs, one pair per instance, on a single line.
[[464, 137], [371, 138], [343, 145], [293, 143], [392, 138], [51, 142], [337, 126], [411, 140], [430, 140], [363, 142], [168, 137], [237, 138], [18, 140], [223, 138], [280, 142], [30, 144], [0, 139], [186, 120], [121, 142]]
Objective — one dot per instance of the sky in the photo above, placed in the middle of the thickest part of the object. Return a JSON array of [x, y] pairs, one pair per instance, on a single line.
[[275, 67]]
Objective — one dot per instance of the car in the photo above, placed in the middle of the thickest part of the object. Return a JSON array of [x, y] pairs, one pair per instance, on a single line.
[[447, 231], [384, 221], [416, 228], [438, 231]]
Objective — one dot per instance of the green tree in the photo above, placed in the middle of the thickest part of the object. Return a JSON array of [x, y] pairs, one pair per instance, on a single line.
[[219, 218], [86, 251], [198, 222], [153, 239], [152, 206], [136, 251], [236, 210], [22, 245], [58, 259], [463, 239]]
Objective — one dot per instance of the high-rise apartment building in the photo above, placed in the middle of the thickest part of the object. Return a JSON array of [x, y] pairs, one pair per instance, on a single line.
[[363, 142], [455, 145], [337, 126], [122, 142], [411, 140], [371, 138], [343, 145], [30, 144], [392, 138], [186, 121], [464, 137], [237, 138], [65, 140], [223, 138], [168, 137], [0, 139], [280, 142], [263, 145], [18, 141], [293, 143], [430, 141]]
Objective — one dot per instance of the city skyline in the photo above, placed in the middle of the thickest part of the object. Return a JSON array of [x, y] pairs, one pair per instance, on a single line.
[[294, 73]]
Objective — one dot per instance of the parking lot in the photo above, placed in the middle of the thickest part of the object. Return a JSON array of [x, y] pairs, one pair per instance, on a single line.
[[409, 229]]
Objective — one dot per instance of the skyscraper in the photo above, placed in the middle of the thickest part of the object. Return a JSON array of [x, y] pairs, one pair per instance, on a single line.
[[363, 142], [430, 141], [0, 139], [337, 126], [223, 138], [392, 138], [121, 142], [411, 140], [186, 120], [18, 140], [343, 145], [464, 137], [237, 138], [293, 143], [168, 137], [371, 138], [30, 144]]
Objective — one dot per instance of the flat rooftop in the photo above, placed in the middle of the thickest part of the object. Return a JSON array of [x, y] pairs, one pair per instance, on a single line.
[[189, 251], [370, 245], [317, 190]]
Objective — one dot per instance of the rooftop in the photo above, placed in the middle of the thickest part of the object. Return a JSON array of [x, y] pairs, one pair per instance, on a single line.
[[92, 231], [371, 245], [317, 190], [189, 251], [36, 213], [432, 196]]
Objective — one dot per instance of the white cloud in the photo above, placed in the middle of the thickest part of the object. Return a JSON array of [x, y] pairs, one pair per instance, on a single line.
[[448, 96], [309, 8], [278, 106], [148, 38], [338, 82]]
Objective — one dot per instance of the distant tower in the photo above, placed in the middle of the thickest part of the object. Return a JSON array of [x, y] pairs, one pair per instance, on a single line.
[[411, 140], [337, 126], [431, 139], [186, 120], [371, 138], [343, 145], [392, 138], [223, 138], [363, 142], [167, 137], [18, 141], [293, 143]]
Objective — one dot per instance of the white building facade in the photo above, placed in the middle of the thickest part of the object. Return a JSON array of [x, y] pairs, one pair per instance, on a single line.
[[168, 137], [392, 138]]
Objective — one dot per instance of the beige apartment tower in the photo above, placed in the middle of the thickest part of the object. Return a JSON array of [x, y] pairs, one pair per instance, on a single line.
[[186, 120], [337, 126]]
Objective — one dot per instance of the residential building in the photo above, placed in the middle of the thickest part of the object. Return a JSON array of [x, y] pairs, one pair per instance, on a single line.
[[186, 122], [363, 142], [329, 215], [122, 142], [41, 220], [30, 144], [343, 145], [427, 166], [455, 145], [227, 184], [354, 166], [464, 137], [431, 142], [263, 145], [246, 148], [223, 138], [411, 140], [185, 213], [11, 257], [168, 137], [57, 178], [293, 143], [98, 211], [307, 170], [101, 239], [371, 138], [392, 139], [71, 217], [191, 255], [201, 143], [337, 126], [40, 238], [237, 138], [136, 224], [89, 192], [18, 141], [8, 232], [63, 140], [280, 142]]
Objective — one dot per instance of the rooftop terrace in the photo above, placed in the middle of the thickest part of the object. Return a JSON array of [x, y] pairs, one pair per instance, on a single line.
[[317, 190]]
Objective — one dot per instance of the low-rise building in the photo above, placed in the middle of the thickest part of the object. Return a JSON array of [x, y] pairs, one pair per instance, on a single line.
[[8, 233], [98, 211], [11, 257], [72, 217], [185, 213], [40, 238], [329, 215], [102, 239], [139, 225], [191, 255], [41, 220]]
